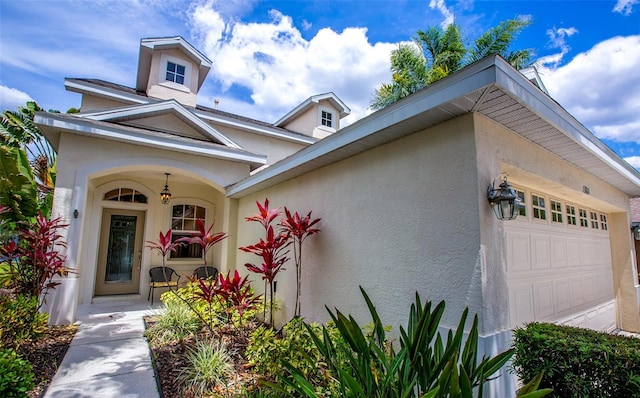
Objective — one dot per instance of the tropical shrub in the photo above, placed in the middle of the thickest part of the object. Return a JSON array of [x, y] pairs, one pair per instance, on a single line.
[[578, 362], [269, 350], [205, 238], [209, 364], [16, 375], [368, 365], [21, 321]]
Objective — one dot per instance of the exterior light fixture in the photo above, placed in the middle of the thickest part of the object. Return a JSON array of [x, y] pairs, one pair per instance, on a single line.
[[635, 228], [504, 199], [165, 195]]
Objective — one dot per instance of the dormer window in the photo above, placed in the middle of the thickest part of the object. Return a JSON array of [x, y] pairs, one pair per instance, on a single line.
[[175, 72], [326, 119]]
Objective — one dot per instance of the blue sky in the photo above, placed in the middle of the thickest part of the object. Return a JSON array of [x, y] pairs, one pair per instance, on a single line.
[[268, 56]]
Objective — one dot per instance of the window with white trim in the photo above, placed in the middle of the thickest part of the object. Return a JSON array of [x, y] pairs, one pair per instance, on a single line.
[[584, 221], [175, 72], [539, 208], [183, 224], [604, 224], [523, 204], [571, 215], [125, 195], [594, 220], [556, 211], [326, 118]]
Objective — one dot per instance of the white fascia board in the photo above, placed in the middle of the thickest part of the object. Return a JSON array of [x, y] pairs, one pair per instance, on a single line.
[[88, 129], [177, 41], [104, 92], [533, 98], [344, 111], [256, 129], [159, 107]]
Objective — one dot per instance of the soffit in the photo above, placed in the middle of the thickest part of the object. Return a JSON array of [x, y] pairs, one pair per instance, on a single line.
[[490, 87]]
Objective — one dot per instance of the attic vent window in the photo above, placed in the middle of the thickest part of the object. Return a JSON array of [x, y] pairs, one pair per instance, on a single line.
[[327, 119], [125, 195], [175, 73]]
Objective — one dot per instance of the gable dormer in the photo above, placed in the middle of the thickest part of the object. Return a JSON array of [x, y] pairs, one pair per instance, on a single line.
[[171, 68], [318, 116]]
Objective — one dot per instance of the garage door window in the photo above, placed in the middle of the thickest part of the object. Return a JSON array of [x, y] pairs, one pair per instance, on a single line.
[[539, 208], [584, 221], [604, 225], [571, 215], [594, 220], [556, 211], [522, 204]]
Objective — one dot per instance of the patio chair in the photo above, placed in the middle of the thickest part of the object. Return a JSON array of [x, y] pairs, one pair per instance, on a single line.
[[161, 277], [205, 273]]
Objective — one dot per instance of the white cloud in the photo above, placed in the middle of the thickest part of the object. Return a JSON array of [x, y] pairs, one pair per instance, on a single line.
[[633, 161], [281, 69], [11, 98], [601, 88], [446, 12], [625, 7], [557, 39]]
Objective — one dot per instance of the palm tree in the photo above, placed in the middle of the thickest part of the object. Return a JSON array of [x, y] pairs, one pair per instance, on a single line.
[[436, 53]]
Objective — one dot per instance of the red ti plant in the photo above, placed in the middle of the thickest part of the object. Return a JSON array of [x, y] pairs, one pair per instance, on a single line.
[[299, 229], [205, 238], [271, 250], [164, 246], [237, 293], [38, 256]]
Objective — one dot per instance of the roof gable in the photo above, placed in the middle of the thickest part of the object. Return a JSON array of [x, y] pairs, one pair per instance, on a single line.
[[124, 115], [312, 101], [149, 45]]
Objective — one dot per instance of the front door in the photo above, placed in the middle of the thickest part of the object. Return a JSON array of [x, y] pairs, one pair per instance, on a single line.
[[120, 252]]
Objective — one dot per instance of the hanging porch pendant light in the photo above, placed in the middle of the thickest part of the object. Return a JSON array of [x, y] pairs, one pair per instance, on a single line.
[[165, 195]]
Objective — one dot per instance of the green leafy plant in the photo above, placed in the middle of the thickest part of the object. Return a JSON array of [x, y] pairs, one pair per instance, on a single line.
[[208, 365], [21, 320], [299, 229], [205, 238], [425, 365], [16, 375], [176, 322], [271, 250], [578, 362]]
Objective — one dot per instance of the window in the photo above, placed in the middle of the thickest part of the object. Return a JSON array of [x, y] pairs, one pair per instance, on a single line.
[[584, 221], [175, 72], [556, 211], [326, 119], [604, 225], [522, 204], [594, 220], [571, 215], [125, 195], [539, 209], [183, 224]]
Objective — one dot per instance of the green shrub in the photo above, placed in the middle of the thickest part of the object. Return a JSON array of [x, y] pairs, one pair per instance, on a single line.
[[16, 375], [21, 320], [176, 322], [208, 365], [267, 350], [578, 362]]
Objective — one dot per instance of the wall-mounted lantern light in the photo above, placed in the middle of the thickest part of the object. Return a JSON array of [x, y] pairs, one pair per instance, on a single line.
[[165, 195], [76, 213], [504, 199], [635, 228]]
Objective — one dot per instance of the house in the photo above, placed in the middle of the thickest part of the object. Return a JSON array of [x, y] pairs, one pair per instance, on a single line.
[[402, 194]]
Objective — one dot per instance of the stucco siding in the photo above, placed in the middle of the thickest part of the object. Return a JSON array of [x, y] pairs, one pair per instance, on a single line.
[[397, 219], [273, 148]]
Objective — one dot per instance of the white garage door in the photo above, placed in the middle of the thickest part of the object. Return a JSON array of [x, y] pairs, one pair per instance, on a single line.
[[559, 264]]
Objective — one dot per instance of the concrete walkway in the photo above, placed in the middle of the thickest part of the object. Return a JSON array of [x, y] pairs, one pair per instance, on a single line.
[[108, 356]]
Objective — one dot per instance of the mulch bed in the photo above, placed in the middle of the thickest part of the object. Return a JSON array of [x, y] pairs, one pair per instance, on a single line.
[[45, 355], [168, 360]]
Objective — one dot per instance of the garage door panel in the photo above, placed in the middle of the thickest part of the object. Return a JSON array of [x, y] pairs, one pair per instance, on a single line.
[[540, 250], [521, 310], [577, 291], [543, 300], [558, 252], [518, 252], [562, 295], [573, 252]]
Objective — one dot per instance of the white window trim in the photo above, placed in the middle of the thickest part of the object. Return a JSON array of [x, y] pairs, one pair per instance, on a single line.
[[546, 208], [334, 121], [162, 77], [210, 209]]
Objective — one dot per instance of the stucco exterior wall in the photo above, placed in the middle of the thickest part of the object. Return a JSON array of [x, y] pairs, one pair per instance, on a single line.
[[498, 150], [397, 219], [275, 149], [92, 103], [309, 121], [159, 88]]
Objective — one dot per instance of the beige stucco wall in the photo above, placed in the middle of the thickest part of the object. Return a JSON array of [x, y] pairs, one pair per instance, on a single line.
[[158, 88], [309, 121], [397, 219], [498, 149], [92, 103]]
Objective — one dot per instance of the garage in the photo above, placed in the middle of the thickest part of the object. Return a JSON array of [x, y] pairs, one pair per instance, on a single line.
[[559, 264]]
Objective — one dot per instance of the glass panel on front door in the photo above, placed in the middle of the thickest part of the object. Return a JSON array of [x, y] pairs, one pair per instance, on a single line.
[[120, 253]]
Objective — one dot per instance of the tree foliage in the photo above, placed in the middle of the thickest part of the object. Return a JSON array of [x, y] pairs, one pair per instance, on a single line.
[[436, 53]]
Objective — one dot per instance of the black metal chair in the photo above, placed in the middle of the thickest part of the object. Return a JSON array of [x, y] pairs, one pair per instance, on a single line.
[[205, 273], [160, 277]]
